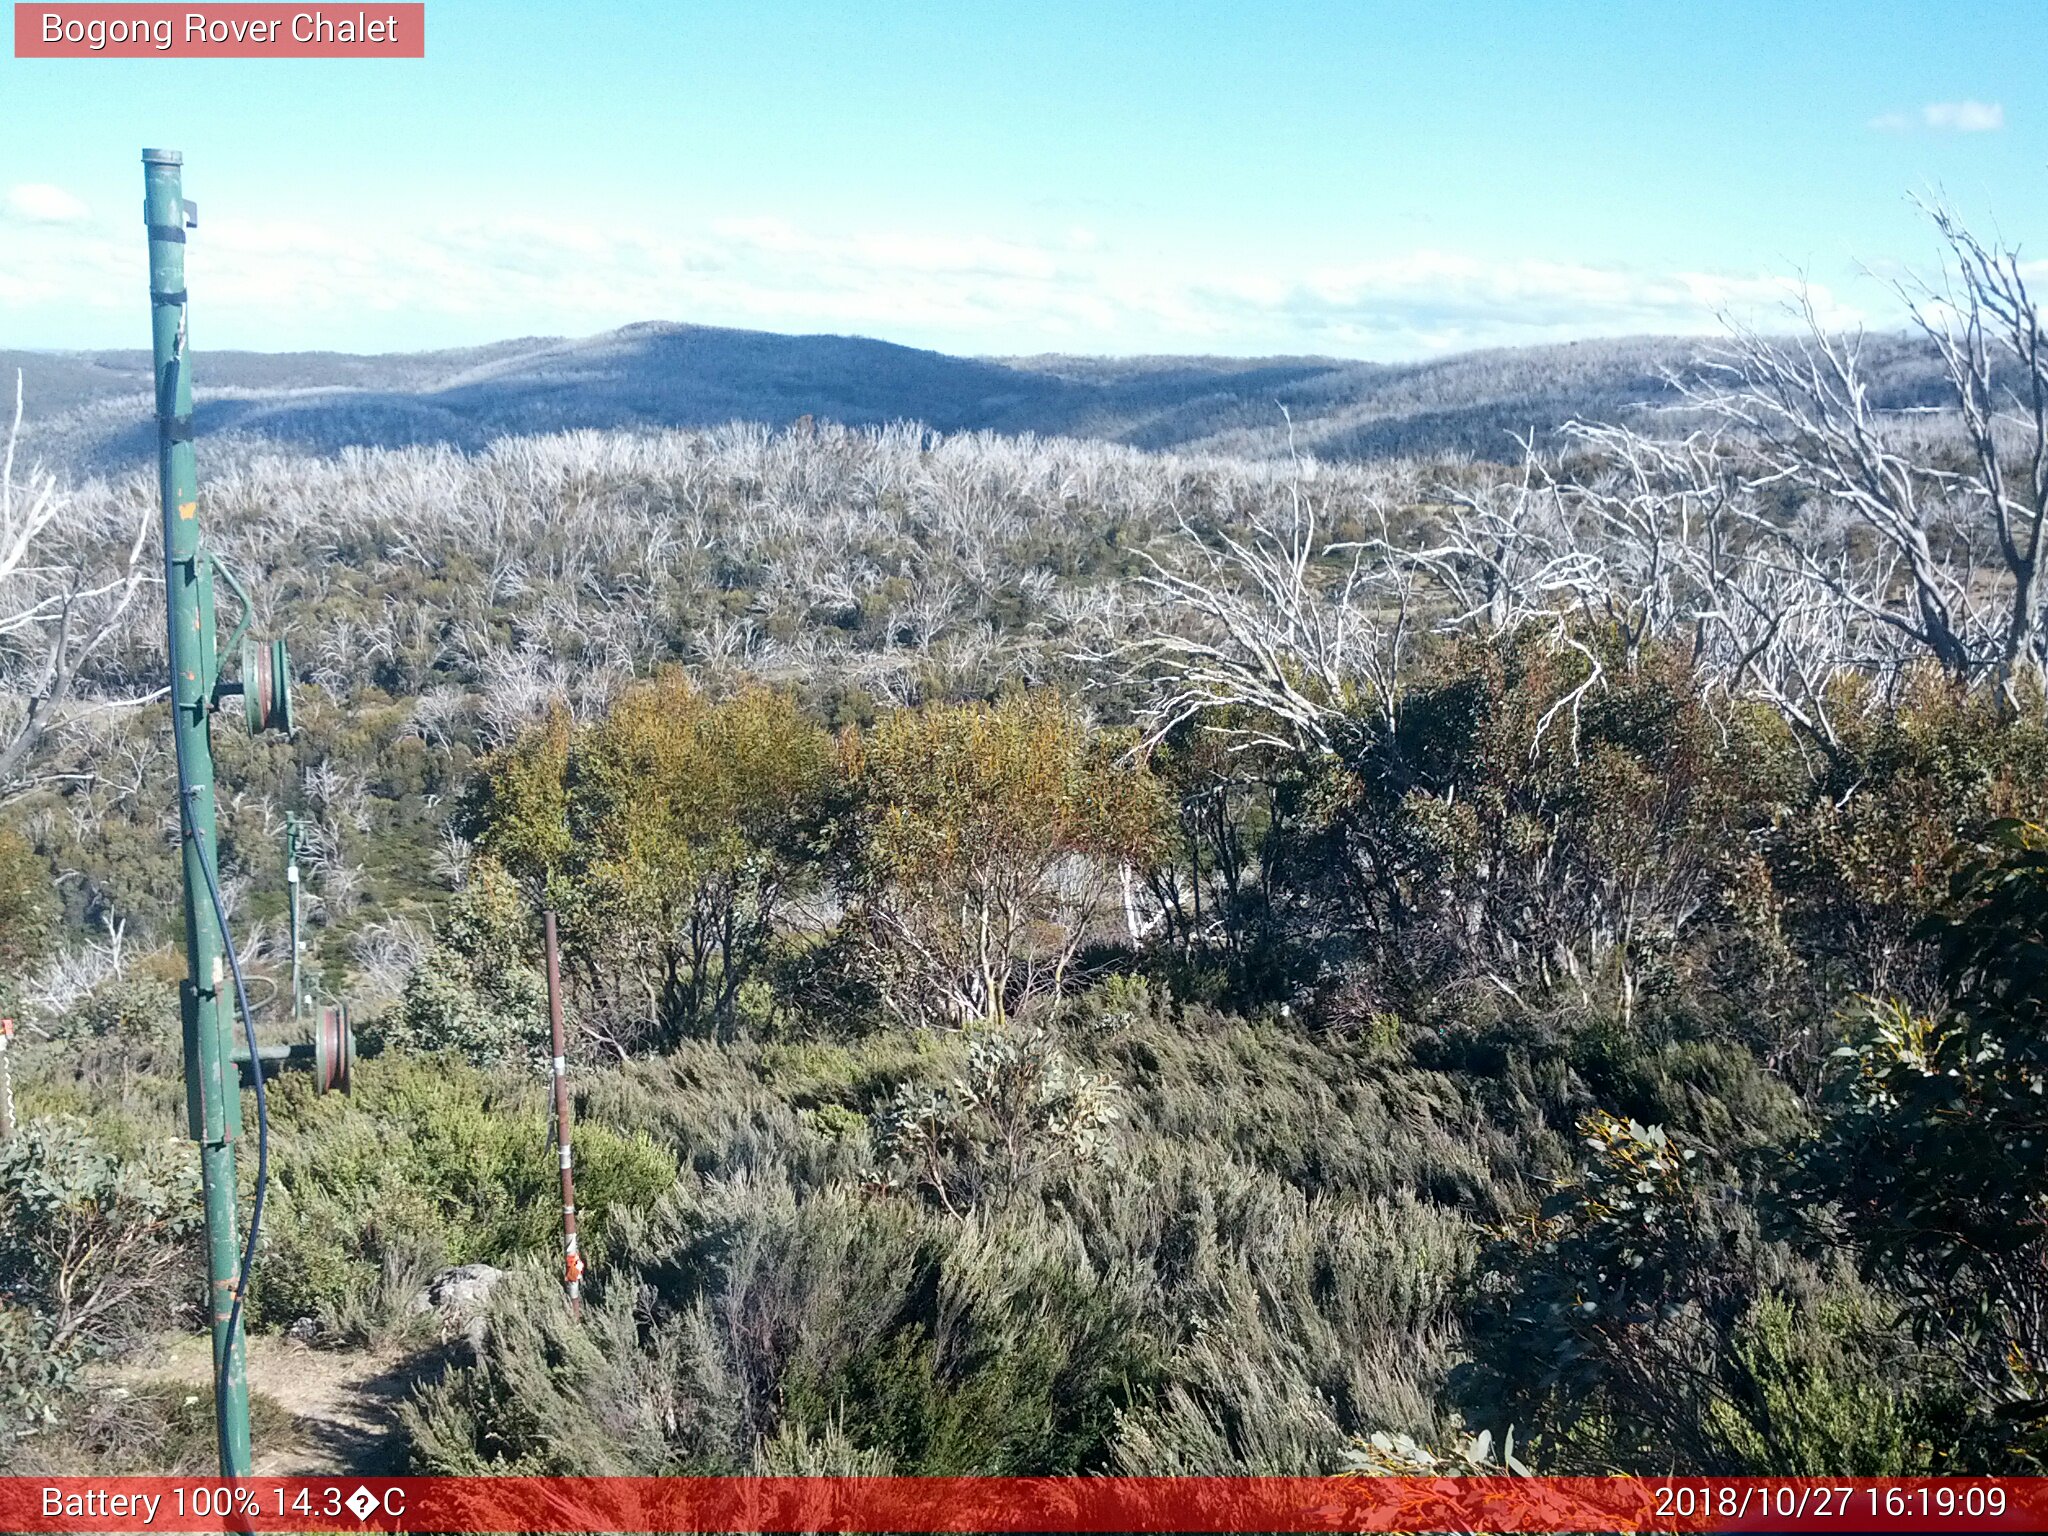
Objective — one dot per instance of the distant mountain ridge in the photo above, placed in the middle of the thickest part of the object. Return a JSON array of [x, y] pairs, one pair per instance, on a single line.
[[90, 410]]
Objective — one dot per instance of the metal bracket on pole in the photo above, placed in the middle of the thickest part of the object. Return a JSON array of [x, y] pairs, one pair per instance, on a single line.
[[227, 574], [265, 685], [330, 1057]]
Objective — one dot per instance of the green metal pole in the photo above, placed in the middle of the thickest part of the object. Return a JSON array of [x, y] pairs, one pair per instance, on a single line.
[[291, 878], [212, 1083]]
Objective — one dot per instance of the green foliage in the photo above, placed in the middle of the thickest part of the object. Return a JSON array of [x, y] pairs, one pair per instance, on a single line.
[[1522, 932], [147, 1429], [1021, 1112], [28, 914], [985, 839], [1819, 1409], [517, 806], [1597, 849], [1642, 851], [671, 835], [978, 844], [1247, 1283], [95, 1250], [1119, 1001], [1624, 1293], [1642, 1318], [1864, 864], [116, 1059], [1934, 1167], [135, 1010], [758, 1316], [427, 1162], [478, 993]]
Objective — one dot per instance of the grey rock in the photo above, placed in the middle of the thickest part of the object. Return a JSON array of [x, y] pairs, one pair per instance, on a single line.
[[465, 1288]]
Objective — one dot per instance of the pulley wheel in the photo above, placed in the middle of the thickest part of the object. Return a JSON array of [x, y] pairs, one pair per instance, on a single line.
[[334, 1050], [266, 686]]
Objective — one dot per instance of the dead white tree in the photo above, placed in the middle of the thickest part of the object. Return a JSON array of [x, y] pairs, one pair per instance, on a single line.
[[66, 588], [1503, 552], [1687, 553], [1988, 330], [1271, 636], [1942, 549], [1509, 558]]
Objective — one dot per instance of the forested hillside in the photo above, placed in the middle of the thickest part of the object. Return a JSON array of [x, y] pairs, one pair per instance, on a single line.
[[1082, 958], [90, 410]]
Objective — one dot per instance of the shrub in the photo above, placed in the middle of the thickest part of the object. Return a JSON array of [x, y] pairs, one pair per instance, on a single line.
[[985, 841], [477, 993], [1598, 850], [1119, 1002], [95, 1251], [148, 1429], [28, 915], [1250, 1282], [671, 835], [427, 1162], [1933, 1167], [1642, 1318], [133, 1009], [749, 1318], [1020, 1113]]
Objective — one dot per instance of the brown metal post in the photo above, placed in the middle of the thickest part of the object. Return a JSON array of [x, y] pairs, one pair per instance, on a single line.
[[573, 1260]]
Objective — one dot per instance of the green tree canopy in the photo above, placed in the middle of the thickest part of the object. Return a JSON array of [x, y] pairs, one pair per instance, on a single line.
[[986, 839], [670, 836]]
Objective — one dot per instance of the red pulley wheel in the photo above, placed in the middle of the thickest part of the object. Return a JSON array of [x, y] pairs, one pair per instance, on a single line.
[[334, 1050], [266, 686]]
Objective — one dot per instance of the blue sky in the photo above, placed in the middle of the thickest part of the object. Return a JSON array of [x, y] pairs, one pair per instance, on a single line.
[[1367, 180]]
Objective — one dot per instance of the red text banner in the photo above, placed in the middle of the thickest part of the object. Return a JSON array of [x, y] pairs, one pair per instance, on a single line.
[[230, 31], [1095, 1504]]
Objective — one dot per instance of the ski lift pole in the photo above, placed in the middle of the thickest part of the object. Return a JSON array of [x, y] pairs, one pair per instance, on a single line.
[[291, 879], [212, 1083], [572, 1256]]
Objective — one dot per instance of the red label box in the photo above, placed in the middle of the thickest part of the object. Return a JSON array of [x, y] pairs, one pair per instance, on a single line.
[[61, 1506], [368, 29]]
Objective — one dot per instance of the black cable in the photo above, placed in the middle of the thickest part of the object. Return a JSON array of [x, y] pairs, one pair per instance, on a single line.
[[220, 914]]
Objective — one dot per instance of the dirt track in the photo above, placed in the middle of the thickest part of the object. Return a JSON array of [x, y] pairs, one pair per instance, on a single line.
[[344, 1406]]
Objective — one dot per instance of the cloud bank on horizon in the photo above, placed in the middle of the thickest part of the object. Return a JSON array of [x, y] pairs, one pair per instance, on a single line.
[[298, 285]]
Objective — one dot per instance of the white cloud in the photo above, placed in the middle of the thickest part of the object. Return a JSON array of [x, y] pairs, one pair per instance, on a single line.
[[287, 283], [36, 202], [1964, 116], [1945, 117], [1435, 301]]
